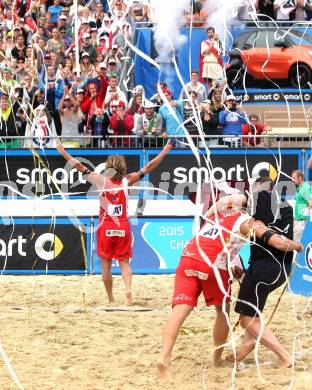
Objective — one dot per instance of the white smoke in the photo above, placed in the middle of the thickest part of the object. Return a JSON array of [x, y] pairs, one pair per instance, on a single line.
[[221, 14], [167, 37]]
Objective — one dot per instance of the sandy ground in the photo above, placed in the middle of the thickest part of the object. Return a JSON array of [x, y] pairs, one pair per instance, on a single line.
[[56, 340]]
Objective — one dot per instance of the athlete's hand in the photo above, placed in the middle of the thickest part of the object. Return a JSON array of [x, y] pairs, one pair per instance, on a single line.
[[299, 247], [237, 272], [169, 145]]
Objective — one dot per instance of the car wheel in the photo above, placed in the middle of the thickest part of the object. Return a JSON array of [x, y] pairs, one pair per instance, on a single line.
[[300, 76], [235, 78]]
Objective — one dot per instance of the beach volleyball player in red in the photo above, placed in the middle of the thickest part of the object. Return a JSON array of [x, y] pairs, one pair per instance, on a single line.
[[113, 231], [206, 266]]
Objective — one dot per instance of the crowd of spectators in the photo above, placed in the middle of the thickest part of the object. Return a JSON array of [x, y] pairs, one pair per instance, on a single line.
[[276, 10], [60, 69]]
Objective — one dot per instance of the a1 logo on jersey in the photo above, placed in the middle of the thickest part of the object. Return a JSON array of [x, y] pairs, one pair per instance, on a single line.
[[308, 256]]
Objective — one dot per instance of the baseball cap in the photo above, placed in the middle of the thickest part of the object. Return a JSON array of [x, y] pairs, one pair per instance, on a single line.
[[115, 47], [63, 17], [102, 65], [148, 104], [230, 97], [85, 54], [121, 104], [67, 97], [84, 21], [85, 35], [112, 61], [80, 90]]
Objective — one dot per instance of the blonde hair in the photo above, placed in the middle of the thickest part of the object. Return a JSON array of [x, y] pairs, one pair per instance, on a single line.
[[117, 163]]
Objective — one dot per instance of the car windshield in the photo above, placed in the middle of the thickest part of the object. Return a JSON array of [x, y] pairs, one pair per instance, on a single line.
[[298, 37]]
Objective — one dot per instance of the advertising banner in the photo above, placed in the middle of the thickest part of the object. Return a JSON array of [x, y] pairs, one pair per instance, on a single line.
[[301, 281], [24, 173], [42, 245], [180, 173], [273, 96], [156, 243]]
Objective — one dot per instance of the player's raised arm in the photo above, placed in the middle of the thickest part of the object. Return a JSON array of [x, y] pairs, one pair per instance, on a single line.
[[136, 176], [91, 176], [275, 240]]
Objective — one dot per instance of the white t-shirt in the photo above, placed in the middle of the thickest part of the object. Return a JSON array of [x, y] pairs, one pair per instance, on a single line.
[[286, 7]]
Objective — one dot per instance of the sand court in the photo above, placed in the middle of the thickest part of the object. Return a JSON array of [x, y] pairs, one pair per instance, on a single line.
[[59, 333]]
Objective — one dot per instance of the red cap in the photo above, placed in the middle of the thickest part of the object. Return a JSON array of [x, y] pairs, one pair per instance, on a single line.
[[121, 104], [167, 91]]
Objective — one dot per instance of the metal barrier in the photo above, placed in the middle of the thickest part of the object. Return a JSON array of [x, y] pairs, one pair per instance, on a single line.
[[133, 141]]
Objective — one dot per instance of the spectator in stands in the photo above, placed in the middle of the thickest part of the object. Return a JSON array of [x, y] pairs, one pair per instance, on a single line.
[[19, 51], [20, 72], [209, 122], [87, 69], [56, 44], [8, 81], [54, 11], [265, 8], [87, 47], [232, 120], [53, 89], [121, 123], [254, 128], [156, 98], [112, 68], [93, 99], [303, 203], [8, 124], [68, 111], [211, 57], [138, 11], [99, 124], [284, 9], [217, 100], [118, 7], [136, 105], [172, 118], [307, 7], [194, 85], [113, 95], [190, 112], [149, 126]]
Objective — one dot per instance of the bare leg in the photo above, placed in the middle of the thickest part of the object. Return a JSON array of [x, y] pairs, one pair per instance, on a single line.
[[178, 315], [220, 333], [268, 339], [107, 278], [243, 350], [127, 278]]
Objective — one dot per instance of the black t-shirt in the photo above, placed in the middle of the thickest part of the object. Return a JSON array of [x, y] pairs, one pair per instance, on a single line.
[[266, 208]]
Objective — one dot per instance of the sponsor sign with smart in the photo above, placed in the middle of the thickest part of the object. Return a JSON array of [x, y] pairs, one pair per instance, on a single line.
[[180, 173], [21, 171], [42, 245]]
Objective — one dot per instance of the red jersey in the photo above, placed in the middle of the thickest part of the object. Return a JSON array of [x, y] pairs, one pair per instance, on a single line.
[[114, 201], [209, 239]]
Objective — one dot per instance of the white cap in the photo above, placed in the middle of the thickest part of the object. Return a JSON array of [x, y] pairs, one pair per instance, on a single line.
[[64, 17], [79, 90], [207, 101], [102, 65], [148, 104], [115, 47], [85, 54], [84, 21], [230, 97], [112, 61], [85, 35]]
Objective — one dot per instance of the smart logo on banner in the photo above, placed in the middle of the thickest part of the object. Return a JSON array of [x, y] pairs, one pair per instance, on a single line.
[[179, 174], [31, 179], [28, 245]]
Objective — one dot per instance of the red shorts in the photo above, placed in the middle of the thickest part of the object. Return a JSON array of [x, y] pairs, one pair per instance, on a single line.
[[114, 241], [193, 277]]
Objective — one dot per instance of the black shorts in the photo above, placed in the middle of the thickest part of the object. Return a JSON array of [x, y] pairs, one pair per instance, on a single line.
[[262, 277]]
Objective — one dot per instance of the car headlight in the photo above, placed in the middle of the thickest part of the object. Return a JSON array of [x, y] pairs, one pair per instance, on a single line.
[[310, 52]]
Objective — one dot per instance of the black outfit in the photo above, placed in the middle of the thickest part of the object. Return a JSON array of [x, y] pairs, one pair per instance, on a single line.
[[210, 127], [266, 8], [99, 127], [269, 267]]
